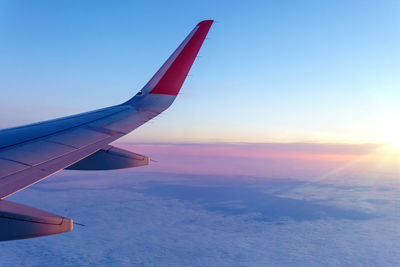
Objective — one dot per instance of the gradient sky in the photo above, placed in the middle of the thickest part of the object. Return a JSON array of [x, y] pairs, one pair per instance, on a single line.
[[307, 89], [270, 71]]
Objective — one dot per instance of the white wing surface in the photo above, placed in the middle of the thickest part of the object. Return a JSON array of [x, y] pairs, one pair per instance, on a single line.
[[30, 153]]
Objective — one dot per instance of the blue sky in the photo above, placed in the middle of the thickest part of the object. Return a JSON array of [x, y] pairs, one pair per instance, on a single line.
[[270, 71], [304, 71]]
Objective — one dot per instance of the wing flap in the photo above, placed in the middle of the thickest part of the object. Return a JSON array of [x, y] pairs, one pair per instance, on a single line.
[[21, 221], [110, 158]]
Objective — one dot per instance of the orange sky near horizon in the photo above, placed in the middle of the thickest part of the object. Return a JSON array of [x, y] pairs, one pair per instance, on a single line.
[[311, 161]]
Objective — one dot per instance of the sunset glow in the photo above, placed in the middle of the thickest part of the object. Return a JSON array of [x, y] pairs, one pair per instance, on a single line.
[[269, 137]]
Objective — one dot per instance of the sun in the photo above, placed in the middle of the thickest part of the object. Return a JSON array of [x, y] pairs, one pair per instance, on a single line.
[[393, 139], [390, 150], [388, 131]]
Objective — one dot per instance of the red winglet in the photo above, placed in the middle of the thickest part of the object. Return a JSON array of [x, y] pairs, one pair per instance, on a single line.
[[182, 59]]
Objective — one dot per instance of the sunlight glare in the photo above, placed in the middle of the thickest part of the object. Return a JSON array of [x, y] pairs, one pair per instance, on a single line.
[[390, 133]]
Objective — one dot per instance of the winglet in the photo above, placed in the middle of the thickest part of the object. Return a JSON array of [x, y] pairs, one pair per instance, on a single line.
[[182, 60], [169, 78]]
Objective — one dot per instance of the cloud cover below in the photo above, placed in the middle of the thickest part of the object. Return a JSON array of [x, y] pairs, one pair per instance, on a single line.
[[145, 216]]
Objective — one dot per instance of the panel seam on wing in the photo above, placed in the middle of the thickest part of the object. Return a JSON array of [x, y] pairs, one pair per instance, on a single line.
[[54, 171], [61, 131], [16, 161]]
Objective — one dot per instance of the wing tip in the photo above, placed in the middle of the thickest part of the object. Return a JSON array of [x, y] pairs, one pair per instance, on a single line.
[[167, 82], [206, 22]]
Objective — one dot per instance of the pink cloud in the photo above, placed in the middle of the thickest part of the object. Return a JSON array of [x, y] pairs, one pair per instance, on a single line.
[[277, 160]]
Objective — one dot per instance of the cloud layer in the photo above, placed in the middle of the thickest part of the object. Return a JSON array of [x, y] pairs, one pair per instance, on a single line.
[[147, 217]]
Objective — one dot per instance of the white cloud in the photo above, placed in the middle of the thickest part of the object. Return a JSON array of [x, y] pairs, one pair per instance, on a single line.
[[180, 220]]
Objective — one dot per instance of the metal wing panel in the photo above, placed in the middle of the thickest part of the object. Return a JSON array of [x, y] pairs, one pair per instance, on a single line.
[[77, 138], [128, 111], [14, 210], [19, 221], [15, 182], [50, 154], [17, 135], [8, 167], [22, 156], [123, 122], [36, 152], [128, 123]]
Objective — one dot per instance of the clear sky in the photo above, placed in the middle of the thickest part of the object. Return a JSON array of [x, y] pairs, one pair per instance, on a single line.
[[317, 82], [271, 70]]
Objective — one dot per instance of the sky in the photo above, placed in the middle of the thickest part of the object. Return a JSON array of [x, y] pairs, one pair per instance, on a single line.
[[270, 71], [279, 150]]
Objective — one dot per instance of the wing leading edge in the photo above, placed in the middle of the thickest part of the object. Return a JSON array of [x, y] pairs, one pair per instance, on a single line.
[[31, 153]]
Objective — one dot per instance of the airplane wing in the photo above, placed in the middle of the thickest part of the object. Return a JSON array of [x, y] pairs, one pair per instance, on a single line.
[[31, 153]]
